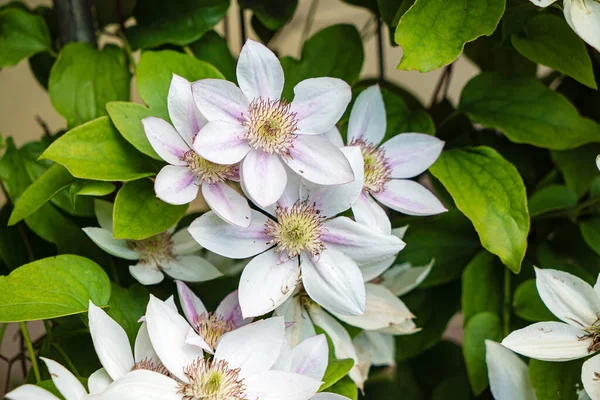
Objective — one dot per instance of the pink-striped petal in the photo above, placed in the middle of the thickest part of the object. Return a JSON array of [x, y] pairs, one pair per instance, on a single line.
[[176, 184], [264, 177], [410, 154], [220, 100], [227, 203], [222, 142], [165, 140], [183, 112], [409, 197], [191, 304], [259, 72], [229, 309], [367, 212], [367, 118]]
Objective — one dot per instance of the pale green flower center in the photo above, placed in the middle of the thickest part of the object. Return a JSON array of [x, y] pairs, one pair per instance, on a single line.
[[377, 169], [207, 171], [271, 126], [212, 380], [154, 249]]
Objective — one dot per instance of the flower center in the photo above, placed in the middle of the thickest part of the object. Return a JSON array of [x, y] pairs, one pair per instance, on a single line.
[[149, 365], [297, 228], [377, 168], [207, 171], [212, 380], [271, 126], [154, 249], [211, 327], [593, 333]]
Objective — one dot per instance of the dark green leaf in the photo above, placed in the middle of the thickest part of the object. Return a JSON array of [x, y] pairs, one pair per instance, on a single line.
[[13, 250], [110, 12], [22, 34], [552, 198], [528, 305], [336, 370], [127, 306], [91, 188], [590, 230], [273, 14], [213, 49], [127, 118], [345, 387], [555, 380], [401, 119], [481, 290], [578, 175]]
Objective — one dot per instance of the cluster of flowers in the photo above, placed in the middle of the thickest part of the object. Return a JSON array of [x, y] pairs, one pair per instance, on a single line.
[[292, 164]]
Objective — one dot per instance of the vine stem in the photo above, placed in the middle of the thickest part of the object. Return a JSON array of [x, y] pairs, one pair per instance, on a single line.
[[34, 363], [507, 303], [310, 17]]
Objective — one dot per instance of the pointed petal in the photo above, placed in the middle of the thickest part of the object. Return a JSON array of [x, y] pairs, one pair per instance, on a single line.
[[30, 392], [146, 274], [300, 326], [589, 377], [190, 269], [277, 385], [184, 243], [259, 72], [229, 240], [264, 177], [266, 282], [367, 118], [142, 385], [194, 339], [549, 341], [290, 194], [176, 185], [229, 309], [116, 247], [222, 142], [318, 160], [508, 374], [335, 137], [367, 212], [333, 280], [191, 304], [410, 154], [104, 211], [543, 3], [409, 197], [142, 349], [310, 357], [66, 383], [381, 347], [407, 327], [284, 361], [319, 103], [373, 270], [568, 297], [183, 112], [165, 140], [220, 100], [227, 203], [403, 278], [584, 18], [99, 381]]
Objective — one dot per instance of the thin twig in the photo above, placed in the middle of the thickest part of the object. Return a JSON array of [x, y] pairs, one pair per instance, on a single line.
[[507, 302], [310, 17], [380, 50], [43, 125], [32, 358], [242, 26], [188, 51], [66, 358], [438, 87]]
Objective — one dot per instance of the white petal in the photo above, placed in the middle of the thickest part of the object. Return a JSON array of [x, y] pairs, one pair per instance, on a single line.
[[508, 374], [146, 274], [410, 154], [329, 396], [332, 200], [184, 243], [168, 331], [266, 282], [334, 137], [367, 118], [568, 297], [549, 341], [227, 203], [584, 17], [142, 385], [220, 100], [191, 304], [194, 339], [66, 383], [542, 3], [253, 348], [30, 392], [278, 385], [229, 240], [110, 342], [310, 357], [403, 278], [407, 327], [176, 185], [318, 160], [222, 142], [333, 280], [372, 270], [360, 243], [589, 377], [99, 381], [409, 197], [142, 349], [400, 231], [104, 211], [291, 194], [229, 309], [259, 72], [264, 177], [300, 326], [165, 140], [190, 269], [381, 347], [319, 103], [367, 212], [284, 361], [116, 247], [183, 112]]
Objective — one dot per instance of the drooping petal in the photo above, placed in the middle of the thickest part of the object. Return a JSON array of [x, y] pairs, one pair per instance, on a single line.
[[310, 357], [142, 348], [220, 100], [184, 243], [362, 244], [176, 185], [264, 177], [549, 341], [508, 374], [319, 103], [584, 17], [381, 347], [142, 384], [332, 200], [222, 142], [589, 377], [372, 270], [66, 383], [146, 274], [110, 342], [191, 304], [227, 203], [318, 160], [333, 280], [253, 348], [409, 197], [266, 282], [568, 297], [296, 317], [410, 154], [116, 247], [278, 385], [165, 140], [259, 72], [190, 269], [183, 112], [367, 212], [407, 327], [334, 136], [229, 240], [104, 211], [229, 309], [30, 392], [168, 330], [403, 278], [367, 118], [99, 381], [543, 3], [284, 361]]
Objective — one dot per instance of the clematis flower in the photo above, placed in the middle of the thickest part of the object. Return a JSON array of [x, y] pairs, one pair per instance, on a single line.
[[168, 252], [583, 16], [508, 374], [253, 125], [304, 236], [187, 172]]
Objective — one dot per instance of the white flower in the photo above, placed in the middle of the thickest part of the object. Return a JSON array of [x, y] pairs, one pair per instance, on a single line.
[[254, 125], [166, 252], [178, 182], [583, 16], [507, 373], [303, 238]]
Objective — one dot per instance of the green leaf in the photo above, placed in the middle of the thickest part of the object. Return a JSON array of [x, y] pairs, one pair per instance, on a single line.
[[95, 150], [272, 14], [127, 306], [52, 287], [555, 380], [345, 387], [55, 179], [590, 230], [213, 49], [548, 40], [51, 387], [578, 175], [12, 171], [527, 303], [336, 51], [109, 12], [526, 111], [13, 250], [481, 326], [91, 188], [402, 119], [175, 22], [336, 370], [84, 79], [139, 214], [22, 34], [481, 290], [552, 198], [433, 33], [127, 118], [490, 192]]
